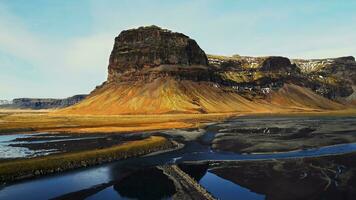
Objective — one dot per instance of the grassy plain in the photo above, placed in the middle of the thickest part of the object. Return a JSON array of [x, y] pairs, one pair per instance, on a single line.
[[18, 121], [11, 122]]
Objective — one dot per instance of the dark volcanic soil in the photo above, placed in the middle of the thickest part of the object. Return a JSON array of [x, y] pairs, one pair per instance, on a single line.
[[270, 134], [328, 177]]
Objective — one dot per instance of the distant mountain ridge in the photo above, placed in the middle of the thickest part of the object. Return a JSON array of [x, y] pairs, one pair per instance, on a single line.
[[5, 102], [42, 103]]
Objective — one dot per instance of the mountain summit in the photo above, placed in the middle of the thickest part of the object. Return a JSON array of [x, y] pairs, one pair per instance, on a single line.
[[153, 70], [146, 48]]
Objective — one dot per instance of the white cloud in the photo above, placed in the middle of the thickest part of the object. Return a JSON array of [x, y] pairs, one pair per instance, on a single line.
[[88, 51], [16, 40], [62, 68]]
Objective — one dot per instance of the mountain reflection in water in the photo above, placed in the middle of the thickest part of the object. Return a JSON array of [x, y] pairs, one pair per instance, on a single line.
[[147, 184]]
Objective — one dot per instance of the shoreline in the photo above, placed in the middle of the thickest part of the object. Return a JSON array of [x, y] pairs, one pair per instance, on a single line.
[[297, 150], [15, 170], [168, 146]]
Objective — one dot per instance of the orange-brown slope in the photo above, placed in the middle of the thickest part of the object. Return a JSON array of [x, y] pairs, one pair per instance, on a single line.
[[167, 95], [300, 98], [163, 95]]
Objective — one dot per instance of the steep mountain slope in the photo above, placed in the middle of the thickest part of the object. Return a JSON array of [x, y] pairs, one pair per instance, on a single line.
[[155, 71], [293, 96], [331, 78], [336, 77]]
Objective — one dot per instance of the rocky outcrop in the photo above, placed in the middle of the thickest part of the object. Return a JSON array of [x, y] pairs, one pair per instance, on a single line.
[[329, 65], [278, 64], [43, 103], [334, 78], [255, 77], [331, 78], [146, 48]]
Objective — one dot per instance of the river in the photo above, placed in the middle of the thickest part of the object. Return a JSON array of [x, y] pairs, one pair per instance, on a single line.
[[136, 178]]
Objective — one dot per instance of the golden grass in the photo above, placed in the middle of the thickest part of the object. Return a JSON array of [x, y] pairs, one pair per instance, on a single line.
[[52, 162], [22, 122], [133, 127]]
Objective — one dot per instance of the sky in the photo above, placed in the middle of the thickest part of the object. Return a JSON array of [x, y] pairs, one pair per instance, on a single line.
[[59, 48]]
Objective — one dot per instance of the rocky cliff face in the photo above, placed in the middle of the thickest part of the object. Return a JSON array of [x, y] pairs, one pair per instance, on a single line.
[[329, 65], [154, 50], [255, 77], [331, 78], [335, 77], [277, 64], [38, 103]]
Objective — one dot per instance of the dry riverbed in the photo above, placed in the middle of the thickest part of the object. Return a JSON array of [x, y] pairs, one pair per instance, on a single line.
[[62, 143]]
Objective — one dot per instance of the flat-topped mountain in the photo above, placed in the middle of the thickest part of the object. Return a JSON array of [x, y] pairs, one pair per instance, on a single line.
[[153, 70], [141, 50]]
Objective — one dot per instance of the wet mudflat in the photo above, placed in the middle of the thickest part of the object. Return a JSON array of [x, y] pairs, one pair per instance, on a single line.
[[40, 144], [8, 152]]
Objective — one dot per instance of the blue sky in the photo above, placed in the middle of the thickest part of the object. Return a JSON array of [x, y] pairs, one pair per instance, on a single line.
[[58, 48]]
